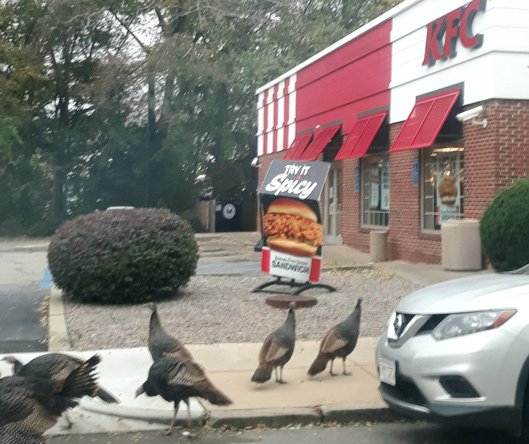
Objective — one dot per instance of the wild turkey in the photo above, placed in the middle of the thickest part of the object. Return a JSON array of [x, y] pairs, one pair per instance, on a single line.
[[339, 341], [177, 379], [161, 343], [277, 350], [29, 406], [55, 366]]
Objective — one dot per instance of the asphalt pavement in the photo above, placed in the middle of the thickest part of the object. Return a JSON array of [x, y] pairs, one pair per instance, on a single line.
[[398, 432], [23, 286]]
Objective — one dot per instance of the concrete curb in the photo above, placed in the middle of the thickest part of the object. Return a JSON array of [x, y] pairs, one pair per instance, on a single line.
[[347, 267], [272, 418], [278, 418], [28, 247], [345, 415], [58, 339], [150, 416]]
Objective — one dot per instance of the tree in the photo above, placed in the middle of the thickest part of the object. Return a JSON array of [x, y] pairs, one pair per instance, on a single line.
[[107, 102]]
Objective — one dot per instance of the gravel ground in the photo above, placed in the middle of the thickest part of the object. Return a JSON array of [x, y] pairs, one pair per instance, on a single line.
[[215, 309]]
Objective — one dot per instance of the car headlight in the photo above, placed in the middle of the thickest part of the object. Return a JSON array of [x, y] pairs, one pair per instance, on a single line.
[[465, 323]]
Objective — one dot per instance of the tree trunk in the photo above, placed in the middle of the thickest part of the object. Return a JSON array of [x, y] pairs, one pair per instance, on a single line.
[[58, 197], [151, 134]]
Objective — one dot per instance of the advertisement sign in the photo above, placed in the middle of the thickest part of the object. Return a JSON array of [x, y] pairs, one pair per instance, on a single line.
[[291, 221], [384, 186], [374, 182], [448, 172]]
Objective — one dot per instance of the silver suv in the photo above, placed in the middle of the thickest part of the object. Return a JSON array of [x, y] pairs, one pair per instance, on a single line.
[[458, 352]]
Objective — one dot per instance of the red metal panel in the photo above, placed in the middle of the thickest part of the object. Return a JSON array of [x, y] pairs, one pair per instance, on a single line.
[[364, 44], [361, 136], [425, 121], [298, 146], [346, 82], [319, 143]]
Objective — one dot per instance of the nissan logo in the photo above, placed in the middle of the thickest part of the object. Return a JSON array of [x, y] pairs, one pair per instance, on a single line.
[[398, 324]]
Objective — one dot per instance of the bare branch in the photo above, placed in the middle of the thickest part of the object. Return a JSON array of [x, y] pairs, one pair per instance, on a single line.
[[161, 19], [129, 30]]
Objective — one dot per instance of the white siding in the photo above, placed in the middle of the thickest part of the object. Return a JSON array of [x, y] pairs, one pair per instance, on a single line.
[[280, 116], [291, 109], [496, 70], [270, 121], [260, 123]]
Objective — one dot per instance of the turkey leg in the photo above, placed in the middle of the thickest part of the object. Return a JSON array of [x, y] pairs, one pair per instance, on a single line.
[[69, 422], [281, 376], [189, 421], [330, 371], [170, 430], [345, 372]]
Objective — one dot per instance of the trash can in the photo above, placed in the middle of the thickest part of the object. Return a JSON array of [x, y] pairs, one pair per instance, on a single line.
[[228, 215], [461, 245], [377, 246]]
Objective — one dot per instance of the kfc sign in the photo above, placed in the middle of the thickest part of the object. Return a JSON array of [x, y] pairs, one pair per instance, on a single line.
[[444, 33]]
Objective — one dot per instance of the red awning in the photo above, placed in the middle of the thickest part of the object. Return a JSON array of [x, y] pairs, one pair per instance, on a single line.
[[361, 136], [297, 146], [425, 121], [320, 142]]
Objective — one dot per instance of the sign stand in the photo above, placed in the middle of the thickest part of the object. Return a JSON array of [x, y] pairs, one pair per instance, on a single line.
[[301, 286], [292, 230]]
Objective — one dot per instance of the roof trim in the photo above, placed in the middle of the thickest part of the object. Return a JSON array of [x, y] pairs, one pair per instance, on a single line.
[[363, 29]]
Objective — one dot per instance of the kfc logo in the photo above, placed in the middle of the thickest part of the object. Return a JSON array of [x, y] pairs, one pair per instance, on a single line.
[[444, 33]]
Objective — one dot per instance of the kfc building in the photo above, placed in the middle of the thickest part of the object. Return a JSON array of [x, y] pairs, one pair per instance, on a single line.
[[423, 115]]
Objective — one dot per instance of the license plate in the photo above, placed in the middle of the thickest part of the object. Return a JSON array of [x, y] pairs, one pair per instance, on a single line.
[[387, 371]]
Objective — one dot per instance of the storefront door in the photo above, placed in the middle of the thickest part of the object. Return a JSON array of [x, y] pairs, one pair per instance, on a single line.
[[333, 208]]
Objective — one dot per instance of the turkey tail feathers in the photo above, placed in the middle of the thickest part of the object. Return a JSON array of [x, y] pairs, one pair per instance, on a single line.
[[106, 396], [318, 365], [82, 381], [216, 397], [262, 374]]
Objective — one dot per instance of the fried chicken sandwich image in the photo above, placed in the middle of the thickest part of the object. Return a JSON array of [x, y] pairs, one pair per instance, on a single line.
[[447, 190], [291, 226]]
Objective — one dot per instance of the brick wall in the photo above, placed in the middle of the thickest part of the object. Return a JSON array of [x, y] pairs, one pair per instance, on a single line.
[[405, 239], [494, 158], [352, 232]]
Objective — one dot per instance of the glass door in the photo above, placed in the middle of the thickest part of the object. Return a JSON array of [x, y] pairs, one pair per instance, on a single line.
[[333, 208]]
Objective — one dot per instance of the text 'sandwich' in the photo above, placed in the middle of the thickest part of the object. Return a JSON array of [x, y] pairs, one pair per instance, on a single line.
[[292, 227]]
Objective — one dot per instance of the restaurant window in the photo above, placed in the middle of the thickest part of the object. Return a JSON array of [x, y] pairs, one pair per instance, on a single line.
[[442, 186], [375, 190]]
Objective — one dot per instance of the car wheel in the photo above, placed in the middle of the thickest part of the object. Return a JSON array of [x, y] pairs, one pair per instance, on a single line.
[[524, 427]]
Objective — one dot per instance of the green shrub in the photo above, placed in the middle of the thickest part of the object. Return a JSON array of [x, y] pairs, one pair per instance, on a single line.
[[123, 256], [504, 228]]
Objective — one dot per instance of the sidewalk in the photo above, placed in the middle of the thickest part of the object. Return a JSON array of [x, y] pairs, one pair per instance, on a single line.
[[302, 400], [344, 257]]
